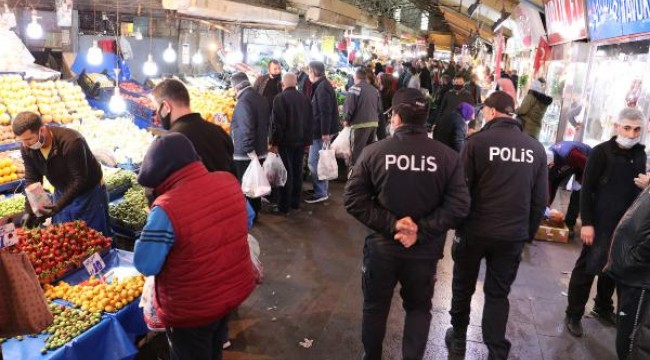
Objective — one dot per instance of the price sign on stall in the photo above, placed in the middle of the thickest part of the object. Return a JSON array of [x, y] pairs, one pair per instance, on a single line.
[[8, 235], [94, 264]]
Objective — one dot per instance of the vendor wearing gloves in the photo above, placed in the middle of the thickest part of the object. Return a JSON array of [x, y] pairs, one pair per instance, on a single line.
[[64, 158]]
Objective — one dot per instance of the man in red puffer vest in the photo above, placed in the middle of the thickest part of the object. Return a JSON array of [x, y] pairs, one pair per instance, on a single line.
[[195, 243]]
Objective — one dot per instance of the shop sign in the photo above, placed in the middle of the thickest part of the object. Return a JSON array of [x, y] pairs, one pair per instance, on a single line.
[[565, 20], [614, 18], [327, 44]]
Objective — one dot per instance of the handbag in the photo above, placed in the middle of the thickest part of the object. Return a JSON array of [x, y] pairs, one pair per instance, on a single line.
[[23, 308]]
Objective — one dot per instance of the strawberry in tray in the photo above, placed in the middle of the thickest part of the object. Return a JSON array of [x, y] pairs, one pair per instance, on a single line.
[[133, 87], [57, 249]]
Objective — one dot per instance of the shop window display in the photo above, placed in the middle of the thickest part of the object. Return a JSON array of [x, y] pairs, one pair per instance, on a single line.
[[619, 77]]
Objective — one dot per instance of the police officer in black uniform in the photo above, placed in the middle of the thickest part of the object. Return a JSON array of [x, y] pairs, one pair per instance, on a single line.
[[508, 181], [409, 190]]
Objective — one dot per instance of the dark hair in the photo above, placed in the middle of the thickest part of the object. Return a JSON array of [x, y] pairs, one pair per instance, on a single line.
[[26, 120], [386, 81], [459, 76], [471, 124], [273, 62], [317, 67], [361, 74], [172, 90], [410, 114], [445, 78]]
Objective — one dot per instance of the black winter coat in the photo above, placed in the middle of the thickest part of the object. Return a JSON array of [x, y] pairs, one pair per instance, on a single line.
[[508, 181], [451, 130], [608, 190], [324, 108], [629, 257], [212, 143], [408, 175], [250, 125], [292, 120], [453, 98]]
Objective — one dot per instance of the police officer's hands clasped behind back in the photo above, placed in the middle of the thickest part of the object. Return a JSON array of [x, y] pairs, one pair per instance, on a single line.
[[409, 190]]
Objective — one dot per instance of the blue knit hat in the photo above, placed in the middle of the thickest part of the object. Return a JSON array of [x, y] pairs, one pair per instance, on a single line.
[[167, 154]]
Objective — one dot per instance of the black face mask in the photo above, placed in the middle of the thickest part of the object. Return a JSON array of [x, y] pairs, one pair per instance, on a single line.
[[165, 121], [458, 87], [277, 77]]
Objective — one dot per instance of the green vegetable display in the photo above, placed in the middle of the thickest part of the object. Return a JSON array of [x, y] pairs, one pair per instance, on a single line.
[[13, 205], [119, 179], [132, 210]]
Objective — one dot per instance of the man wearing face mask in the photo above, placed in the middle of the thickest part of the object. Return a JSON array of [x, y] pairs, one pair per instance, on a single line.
[[608, 190], [211, 142], [64, 158], [455, 96], [409, 223], [270, 85]]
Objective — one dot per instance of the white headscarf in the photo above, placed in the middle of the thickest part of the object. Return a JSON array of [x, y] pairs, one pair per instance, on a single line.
[[538, 86]]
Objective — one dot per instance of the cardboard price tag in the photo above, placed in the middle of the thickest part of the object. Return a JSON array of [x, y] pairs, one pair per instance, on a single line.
[[8, 235], [94, 264]]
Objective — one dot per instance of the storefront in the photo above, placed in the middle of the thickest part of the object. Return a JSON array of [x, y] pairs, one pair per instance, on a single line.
[[618, 74], [566, 71]]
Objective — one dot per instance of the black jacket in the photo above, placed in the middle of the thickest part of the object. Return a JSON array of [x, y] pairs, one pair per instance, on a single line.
[[408, 175], [292, 120], [211, 142], [269, 87], [362, 104], [453, 98], [507, 177], [70, 167], [629, 257], [250, 125], [425, 79], [451, 130], [324, 108]]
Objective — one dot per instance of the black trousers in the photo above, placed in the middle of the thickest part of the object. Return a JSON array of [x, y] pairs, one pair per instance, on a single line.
[[359, 139], [292, 158], [381, 272], [200, 343], [240, 168], [502, 260], [632, 307], [580, 287]]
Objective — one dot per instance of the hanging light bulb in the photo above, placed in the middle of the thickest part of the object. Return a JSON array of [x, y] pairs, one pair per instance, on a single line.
[[95, 55], [117, 105], [169, 55], [150, 68], [197, 58], [34, 29], [212, 47]]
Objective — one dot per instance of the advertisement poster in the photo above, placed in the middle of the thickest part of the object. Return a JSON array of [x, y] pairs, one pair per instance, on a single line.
[[566, 21], [614, 18]]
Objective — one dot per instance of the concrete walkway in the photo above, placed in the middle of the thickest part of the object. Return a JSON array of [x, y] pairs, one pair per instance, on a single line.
[[312, 289]]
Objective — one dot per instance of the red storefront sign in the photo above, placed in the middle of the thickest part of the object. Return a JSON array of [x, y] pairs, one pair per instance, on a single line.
[[565, 20]]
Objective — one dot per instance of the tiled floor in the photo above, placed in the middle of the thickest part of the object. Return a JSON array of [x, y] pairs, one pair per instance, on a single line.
[[312, 290]]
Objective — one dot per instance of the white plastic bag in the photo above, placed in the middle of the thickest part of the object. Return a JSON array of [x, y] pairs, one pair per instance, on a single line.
[[148, 306], [254, 247], [328, 169], [341, 144], [275, 171], [254, 183]]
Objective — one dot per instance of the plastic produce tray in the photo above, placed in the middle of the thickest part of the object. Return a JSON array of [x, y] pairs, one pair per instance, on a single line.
[[139, 110], [11, 187]]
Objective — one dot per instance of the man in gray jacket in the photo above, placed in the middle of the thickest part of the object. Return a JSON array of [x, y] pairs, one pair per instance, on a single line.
[[361, 111]]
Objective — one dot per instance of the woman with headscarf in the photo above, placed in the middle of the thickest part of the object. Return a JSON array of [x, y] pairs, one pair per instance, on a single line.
[[451, 130], [533, 108]]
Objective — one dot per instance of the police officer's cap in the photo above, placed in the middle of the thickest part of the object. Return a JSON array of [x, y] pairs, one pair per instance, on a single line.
[[408, 96]]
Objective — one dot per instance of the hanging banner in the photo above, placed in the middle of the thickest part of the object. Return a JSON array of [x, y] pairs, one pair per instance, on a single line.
[[566, 21], [615, 18], [327, 44], [542, 55]]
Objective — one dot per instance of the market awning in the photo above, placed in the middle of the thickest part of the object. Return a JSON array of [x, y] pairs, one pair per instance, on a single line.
[[335, 13], [230, 11]]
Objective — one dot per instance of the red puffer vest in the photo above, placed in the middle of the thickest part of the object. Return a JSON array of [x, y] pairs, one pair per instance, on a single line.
[[208, 271]]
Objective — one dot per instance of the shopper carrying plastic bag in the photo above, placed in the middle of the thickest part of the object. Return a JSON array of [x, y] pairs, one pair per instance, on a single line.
[[275, 171], [254, 246], [254, 183], [341, 144], [328, 169]]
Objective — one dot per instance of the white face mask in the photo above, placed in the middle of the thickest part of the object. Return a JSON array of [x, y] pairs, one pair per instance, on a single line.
[[38, 144], [627, 143]]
